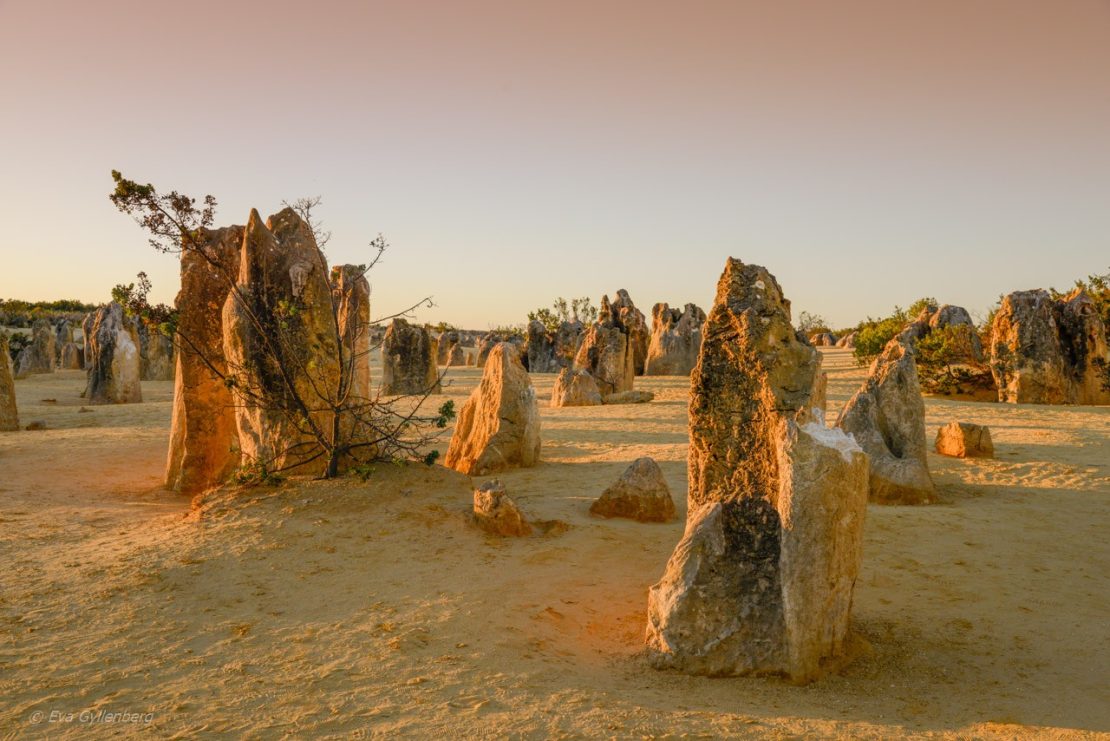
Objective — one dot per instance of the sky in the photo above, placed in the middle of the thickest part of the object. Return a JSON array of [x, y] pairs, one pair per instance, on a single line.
[[867, 152]]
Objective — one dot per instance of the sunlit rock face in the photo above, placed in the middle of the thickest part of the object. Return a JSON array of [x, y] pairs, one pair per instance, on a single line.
[[204, 440], [1050, 351], [499, 424], [675, 340], [762, 579]]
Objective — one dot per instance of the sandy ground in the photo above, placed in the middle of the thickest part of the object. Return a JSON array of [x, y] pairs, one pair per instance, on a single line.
[[361, 609]]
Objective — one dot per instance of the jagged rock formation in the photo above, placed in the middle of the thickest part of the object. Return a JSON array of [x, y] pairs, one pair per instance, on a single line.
[[823, 339], [409, 360], [499, 425], [633, 323], [114, 376], [575, 389], [71, 357], [86, 334], [156, 360], [550, 352], [496, 513], [887, 418], [204, 440], [490, 340], [848, 341], [280, 341], [943, 317], [63, 335], [39, 356], [456, 356], [607, 352], [1046, 351], [351, 292], [964, 440], [9, 414], [675, 340], [446, 344], [641, 493], [762, 579]]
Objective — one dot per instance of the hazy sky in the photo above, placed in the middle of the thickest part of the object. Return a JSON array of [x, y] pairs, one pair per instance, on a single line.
[[867, 153]]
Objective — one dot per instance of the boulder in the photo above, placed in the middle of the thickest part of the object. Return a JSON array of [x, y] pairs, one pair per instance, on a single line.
[[575, 389], [848, 341], [72, 357], [1046, 351], [641, 493], [675, 340], [887, 418], [499, 425], [456, 356], [496, 513], [204, 439], [38, 356], [762, 579], [633, 323], [964, 440], [114, 377], [351, 294], [281, 344], [9, 414], [409, 360], [635, 396]]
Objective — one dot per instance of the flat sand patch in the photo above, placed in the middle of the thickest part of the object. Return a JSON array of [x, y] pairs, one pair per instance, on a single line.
[[340, 608]]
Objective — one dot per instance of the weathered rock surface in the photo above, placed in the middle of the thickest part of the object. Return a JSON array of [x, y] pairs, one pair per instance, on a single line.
[[632, 321], [496, 513], [280, 269], [456, 356], [351, 292], [575, 389], [86, 335], [887, 418], [550, 352], [489, 340], [641, 493], [499, 425], [9, 414], [445, 344], [72, 357], [63, 335], [848, 341], [762, 579], [675, 340], [204, 440], [636, 396], [114, 376], [823, 339], [1046, 351], [38, 356], [964, 440], [409, 360], [155, 352]]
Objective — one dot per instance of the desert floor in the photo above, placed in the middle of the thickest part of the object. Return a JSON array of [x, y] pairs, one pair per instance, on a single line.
[[348, 608]]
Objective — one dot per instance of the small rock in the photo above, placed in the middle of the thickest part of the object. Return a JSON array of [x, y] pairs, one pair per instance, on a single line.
[[38, 424], [496, 513], [965, 440], [641, 494], [628, 397], [575, 388]]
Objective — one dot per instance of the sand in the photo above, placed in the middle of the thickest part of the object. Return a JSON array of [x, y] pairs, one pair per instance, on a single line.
[[362, 609]]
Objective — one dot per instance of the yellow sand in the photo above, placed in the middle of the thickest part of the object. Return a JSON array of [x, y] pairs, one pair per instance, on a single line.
[[345, 608]]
